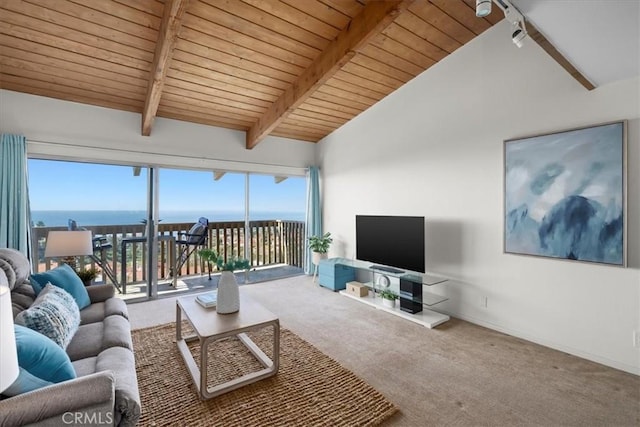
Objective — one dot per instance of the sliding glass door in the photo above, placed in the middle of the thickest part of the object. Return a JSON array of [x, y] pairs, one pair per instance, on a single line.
[[109, 200], [143, 217], [186, 197], [276, 225]]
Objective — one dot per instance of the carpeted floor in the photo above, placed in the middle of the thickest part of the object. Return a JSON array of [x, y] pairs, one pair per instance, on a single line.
[[309, 389], [457, 374]]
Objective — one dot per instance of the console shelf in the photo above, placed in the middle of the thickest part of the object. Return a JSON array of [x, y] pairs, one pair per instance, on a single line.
[[336, 272], [427, 318]]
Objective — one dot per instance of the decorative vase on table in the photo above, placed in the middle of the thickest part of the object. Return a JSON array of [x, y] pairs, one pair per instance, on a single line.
[[228, 294]]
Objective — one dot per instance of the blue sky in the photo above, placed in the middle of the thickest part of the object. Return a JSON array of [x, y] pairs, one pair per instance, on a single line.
[[58, 185]]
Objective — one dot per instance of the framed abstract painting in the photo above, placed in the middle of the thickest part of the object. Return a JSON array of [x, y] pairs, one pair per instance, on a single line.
[[565, 195]]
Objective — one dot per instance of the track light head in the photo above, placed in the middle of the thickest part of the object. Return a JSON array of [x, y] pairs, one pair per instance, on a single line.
[[513, 15], [483, 8], [518, 35]]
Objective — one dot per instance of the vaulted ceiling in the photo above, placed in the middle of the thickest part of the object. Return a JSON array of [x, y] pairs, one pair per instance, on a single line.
[[291, 68]]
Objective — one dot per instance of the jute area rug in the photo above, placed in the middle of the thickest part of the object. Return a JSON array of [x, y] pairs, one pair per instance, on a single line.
[[310, 389]]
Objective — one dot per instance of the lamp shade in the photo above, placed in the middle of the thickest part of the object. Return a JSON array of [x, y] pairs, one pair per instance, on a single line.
[[68, 244], [8, 354]]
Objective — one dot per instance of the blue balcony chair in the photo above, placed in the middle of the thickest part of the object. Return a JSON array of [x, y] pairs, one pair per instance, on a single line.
[[187, 243]]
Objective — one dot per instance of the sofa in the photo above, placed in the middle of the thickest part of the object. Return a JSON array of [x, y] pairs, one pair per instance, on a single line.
[[105, 388]]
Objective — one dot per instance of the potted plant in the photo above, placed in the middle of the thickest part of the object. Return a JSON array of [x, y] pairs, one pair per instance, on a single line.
[[319, 245], [87, 275], [388, 298], [210, 256]]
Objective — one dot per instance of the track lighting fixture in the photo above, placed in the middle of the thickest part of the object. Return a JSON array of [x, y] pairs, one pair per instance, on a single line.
[[518, 35], [483, 8], [519, 32]]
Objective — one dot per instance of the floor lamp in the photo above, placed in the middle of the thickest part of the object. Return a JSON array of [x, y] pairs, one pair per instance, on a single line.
[[67, 245], [8, 356]]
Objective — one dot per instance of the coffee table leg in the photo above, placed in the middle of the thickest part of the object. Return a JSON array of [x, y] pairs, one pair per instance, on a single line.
[[183, 348], [178, 323], [276, 346], [271, 366]]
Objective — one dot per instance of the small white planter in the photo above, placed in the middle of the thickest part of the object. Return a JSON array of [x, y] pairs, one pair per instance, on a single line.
[[391, 303], [317, 256], [228, 294]]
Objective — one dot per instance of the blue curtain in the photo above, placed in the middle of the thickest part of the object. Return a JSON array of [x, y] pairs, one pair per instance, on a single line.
[[314, 213], [15, 217]]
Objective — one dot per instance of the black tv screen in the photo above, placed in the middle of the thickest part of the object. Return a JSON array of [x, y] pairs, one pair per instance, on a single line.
[[395, 241]]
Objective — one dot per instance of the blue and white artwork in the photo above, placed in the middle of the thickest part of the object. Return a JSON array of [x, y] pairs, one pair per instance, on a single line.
[[564, 195]]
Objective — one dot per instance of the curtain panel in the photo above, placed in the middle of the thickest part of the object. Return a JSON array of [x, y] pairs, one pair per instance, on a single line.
[[15, 217], [314, 214]]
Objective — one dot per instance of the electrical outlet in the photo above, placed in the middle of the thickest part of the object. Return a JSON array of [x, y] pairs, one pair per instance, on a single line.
[[636, 339], [483, 301]]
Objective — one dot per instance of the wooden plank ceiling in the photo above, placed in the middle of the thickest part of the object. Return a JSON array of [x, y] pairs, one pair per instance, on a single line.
[[291, 68]]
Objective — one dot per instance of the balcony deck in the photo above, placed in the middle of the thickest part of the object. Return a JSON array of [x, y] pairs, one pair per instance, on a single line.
[[201, 282], [277, 250]]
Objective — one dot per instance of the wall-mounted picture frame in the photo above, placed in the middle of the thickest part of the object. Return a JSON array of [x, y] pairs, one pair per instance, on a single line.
[[565, 195]]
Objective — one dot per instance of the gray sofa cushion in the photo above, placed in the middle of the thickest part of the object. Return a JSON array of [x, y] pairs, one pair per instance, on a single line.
[[100, 293], [9, 276], [22, 296], [93, 338], [86, 366], [98, 311]]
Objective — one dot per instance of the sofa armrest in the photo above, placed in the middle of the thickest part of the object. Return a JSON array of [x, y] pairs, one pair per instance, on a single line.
[[100, 293], [88, 398]]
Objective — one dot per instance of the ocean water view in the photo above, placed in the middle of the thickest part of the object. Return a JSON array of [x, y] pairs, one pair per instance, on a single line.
[[60, 218]]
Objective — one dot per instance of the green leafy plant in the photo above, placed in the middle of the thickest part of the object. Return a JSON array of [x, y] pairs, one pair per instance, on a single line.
[[320, 244], [208, 255], [388, 294], [232, 264], [87, 275]]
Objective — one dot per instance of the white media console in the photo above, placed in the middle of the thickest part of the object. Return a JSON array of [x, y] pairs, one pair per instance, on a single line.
[[411, 290]]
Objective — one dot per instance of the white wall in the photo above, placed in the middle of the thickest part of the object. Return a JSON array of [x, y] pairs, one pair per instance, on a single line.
[[72, 130], [435, 148]]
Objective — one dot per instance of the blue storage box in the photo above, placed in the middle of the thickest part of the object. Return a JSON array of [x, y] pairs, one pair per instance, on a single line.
[[333, 275]]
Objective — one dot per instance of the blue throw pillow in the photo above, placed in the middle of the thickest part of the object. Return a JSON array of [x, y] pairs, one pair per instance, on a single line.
[[42, 362], [63, 277]]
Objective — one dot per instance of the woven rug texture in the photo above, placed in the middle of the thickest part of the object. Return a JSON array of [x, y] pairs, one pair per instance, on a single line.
[[310, 389]]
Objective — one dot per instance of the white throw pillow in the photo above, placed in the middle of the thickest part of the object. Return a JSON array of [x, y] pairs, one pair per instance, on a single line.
[[54, 314]]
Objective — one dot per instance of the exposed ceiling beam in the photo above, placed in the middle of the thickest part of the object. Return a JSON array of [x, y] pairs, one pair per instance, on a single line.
[[373, 19], [169, 29], [546, 45]]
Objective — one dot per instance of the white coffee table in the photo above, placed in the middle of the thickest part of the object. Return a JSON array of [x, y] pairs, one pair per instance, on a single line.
[[210, 326]]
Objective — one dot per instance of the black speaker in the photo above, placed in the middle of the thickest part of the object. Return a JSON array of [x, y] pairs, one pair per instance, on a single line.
[[410, 296]]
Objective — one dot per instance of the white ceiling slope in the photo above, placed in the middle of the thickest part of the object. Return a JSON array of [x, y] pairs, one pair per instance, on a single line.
[[601, 38]]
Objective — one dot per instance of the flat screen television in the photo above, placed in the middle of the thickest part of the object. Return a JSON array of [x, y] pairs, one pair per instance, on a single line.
[[395, 241]]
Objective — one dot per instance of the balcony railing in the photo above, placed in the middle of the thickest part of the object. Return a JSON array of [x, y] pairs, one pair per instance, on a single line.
[[272, 242]]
